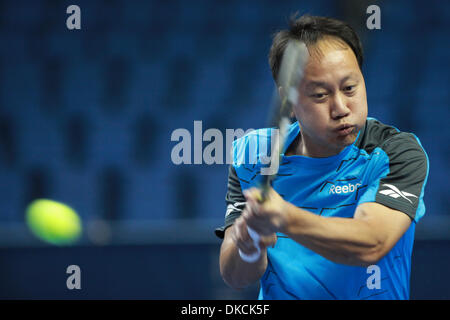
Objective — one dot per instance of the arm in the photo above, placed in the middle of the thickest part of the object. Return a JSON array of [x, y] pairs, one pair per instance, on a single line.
[[236, 272], [360, 241], [374, 229]]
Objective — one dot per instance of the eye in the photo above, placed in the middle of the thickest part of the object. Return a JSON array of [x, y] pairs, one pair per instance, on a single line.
[[349, 88], [318, 95]]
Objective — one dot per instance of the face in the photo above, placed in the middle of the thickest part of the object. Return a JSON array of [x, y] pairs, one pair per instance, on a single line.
[[332, 105]]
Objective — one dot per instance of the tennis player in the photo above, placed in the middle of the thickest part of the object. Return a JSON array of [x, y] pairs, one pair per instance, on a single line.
[[339, 221]]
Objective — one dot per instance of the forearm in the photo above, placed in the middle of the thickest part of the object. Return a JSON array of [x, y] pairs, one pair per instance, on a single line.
[[342, 240], [236, 272]]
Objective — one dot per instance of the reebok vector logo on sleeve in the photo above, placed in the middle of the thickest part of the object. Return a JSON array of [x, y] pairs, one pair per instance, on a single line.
[[394, 192], [237, 206]]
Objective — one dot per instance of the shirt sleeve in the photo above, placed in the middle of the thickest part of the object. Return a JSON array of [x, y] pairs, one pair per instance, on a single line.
[[402, 188], [235, 202]]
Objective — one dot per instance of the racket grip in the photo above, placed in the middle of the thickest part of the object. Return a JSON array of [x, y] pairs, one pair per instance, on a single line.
[[250, 258]]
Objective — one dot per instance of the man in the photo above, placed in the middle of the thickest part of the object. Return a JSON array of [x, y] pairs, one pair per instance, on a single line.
[[348, 193]]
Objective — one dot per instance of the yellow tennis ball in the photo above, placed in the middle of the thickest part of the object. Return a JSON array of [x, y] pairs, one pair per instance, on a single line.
[[53, 222]]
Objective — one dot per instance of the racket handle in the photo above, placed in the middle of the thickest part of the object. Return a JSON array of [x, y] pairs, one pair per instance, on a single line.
[[250, 258]]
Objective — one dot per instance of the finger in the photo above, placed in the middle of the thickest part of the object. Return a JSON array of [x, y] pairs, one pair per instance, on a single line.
[[250, 201], [241, 230], [268, 241], [251, 210], [247, 214], [252, 193], [256, 222], [245, 247], [256, 194], [255, 209], [241, 237]]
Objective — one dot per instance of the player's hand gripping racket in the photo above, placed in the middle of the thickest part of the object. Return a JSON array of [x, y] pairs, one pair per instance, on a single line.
[[289, 77]]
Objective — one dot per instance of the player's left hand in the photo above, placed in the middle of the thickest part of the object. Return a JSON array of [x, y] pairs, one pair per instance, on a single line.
[[264, 217]]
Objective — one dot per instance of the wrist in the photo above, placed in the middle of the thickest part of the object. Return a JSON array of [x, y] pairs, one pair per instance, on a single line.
[[286, 217]]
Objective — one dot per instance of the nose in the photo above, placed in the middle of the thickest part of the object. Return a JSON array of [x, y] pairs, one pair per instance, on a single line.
[[339, 107]]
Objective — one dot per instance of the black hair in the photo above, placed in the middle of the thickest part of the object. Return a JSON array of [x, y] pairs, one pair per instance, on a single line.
[[310, 29]]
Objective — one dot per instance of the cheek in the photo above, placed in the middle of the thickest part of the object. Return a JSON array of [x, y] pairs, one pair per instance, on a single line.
[[359, 108], [312, 117], [362, 101]]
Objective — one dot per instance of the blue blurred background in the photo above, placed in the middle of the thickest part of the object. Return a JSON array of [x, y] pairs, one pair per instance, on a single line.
[[86, 118]]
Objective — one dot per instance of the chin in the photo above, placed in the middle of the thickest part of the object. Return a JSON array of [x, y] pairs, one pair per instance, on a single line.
[[347, 140]]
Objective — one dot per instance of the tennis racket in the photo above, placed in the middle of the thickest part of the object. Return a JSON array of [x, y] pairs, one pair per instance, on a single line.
[[289, 77]]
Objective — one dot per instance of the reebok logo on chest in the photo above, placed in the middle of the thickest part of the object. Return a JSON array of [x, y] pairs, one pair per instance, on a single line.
[[345, 189]]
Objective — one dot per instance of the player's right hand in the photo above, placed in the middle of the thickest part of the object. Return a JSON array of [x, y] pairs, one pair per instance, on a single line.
[[239, 234]]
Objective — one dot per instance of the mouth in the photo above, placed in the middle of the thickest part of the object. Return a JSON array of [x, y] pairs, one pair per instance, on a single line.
[[345, 129]]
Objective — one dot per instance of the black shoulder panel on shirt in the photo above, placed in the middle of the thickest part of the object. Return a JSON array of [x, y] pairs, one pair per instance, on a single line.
[[235, 201], [373, 134], [402, 188]]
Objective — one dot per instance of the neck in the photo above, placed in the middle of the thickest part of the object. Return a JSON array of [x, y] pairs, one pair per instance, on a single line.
[[304, 146]]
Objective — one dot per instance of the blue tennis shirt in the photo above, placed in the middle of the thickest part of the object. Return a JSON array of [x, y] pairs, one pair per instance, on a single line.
[[383, 165]]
